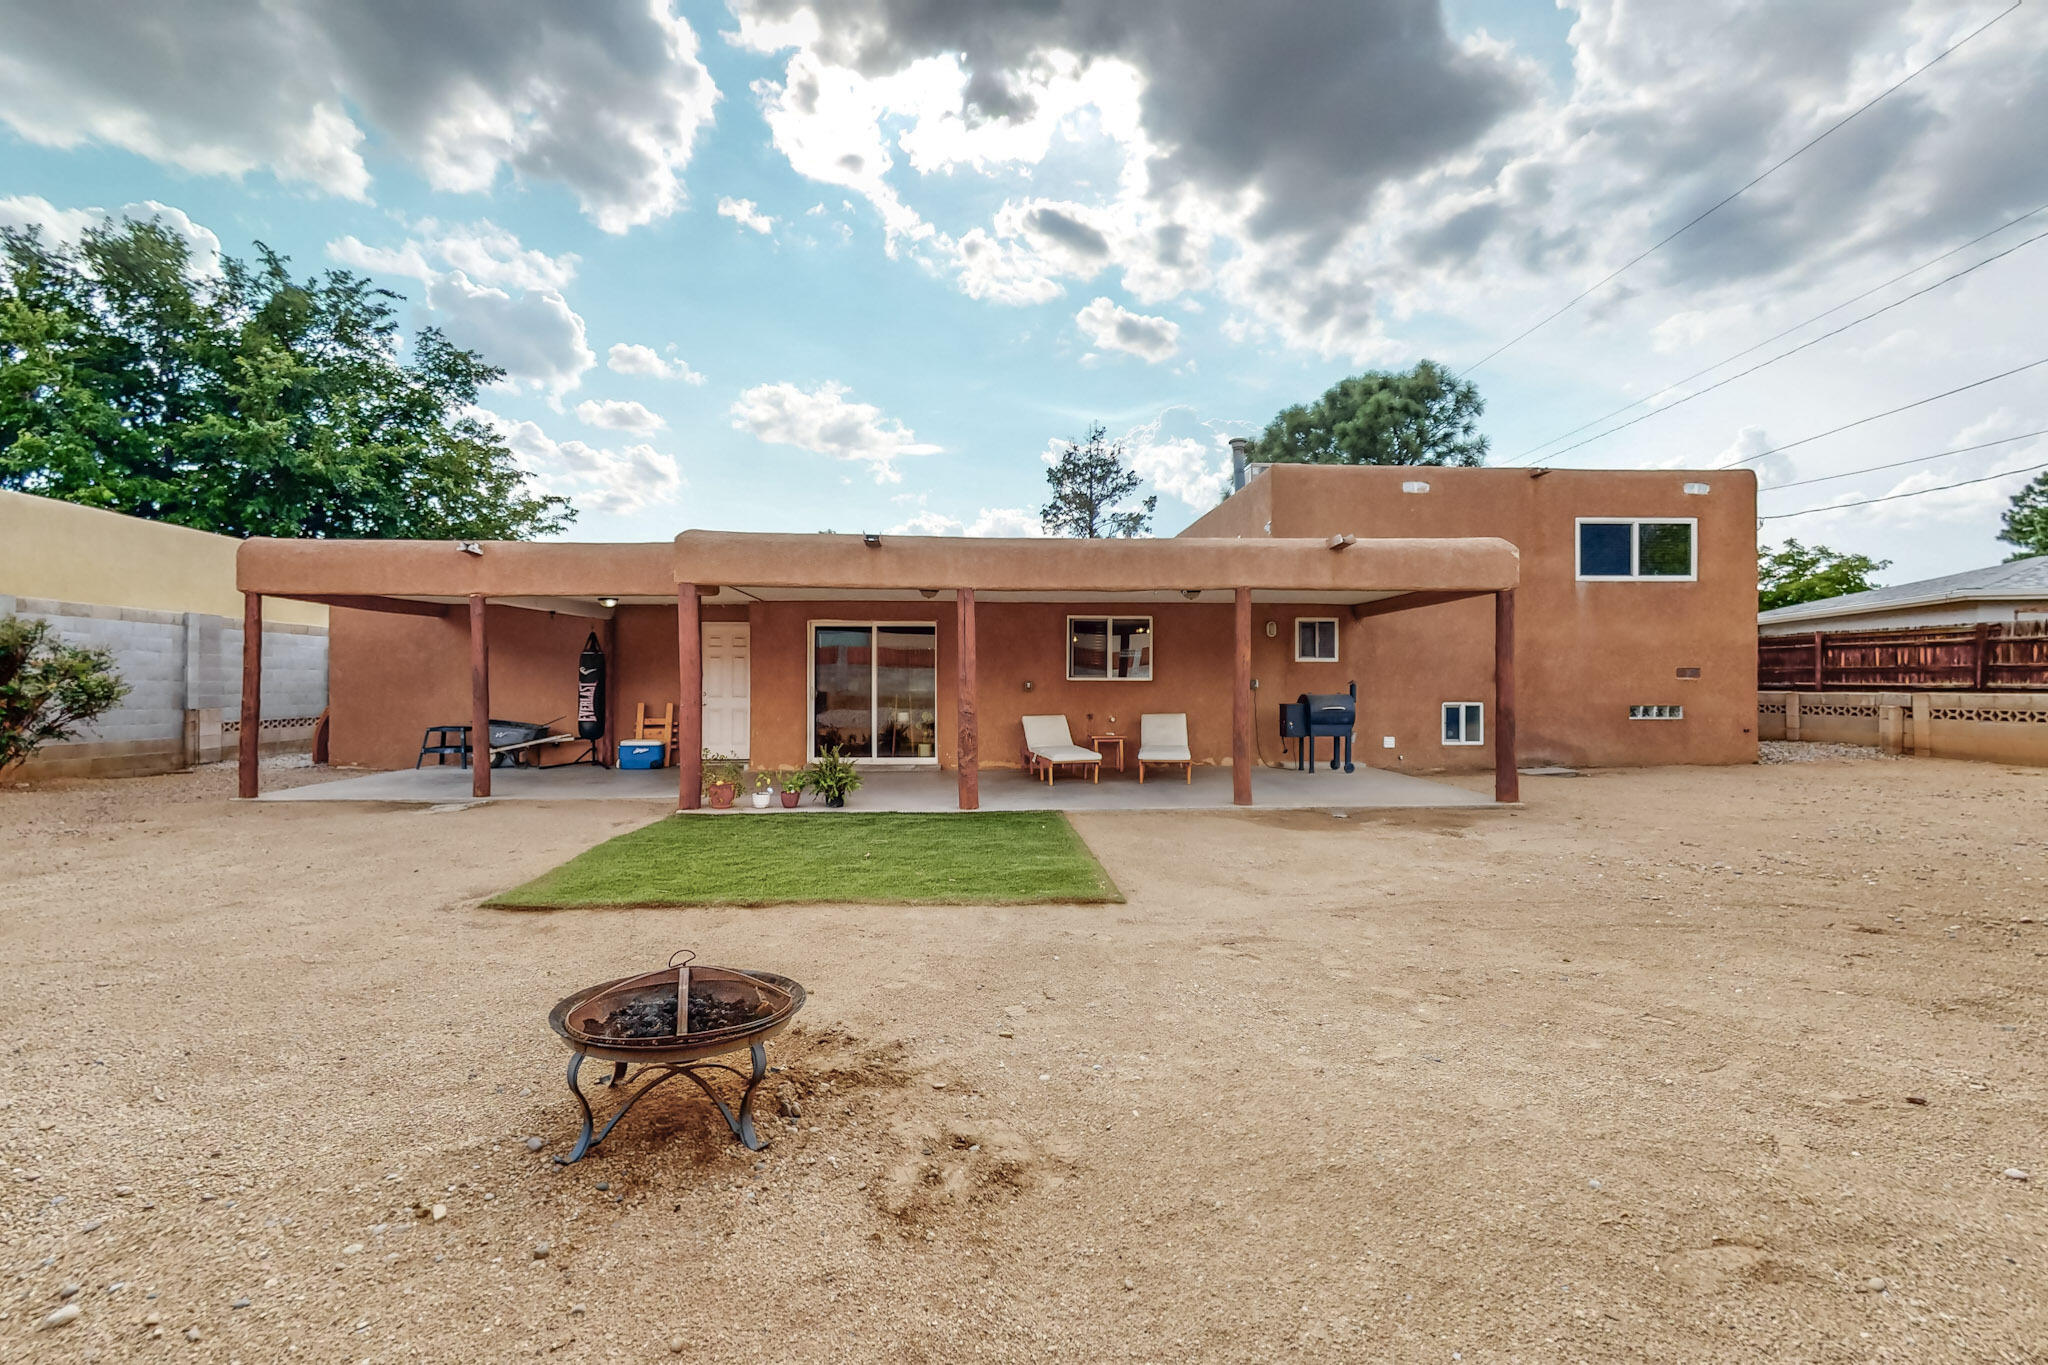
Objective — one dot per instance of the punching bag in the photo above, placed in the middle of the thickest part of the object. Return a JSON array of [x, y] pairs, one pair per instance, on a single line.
[[590, 690]]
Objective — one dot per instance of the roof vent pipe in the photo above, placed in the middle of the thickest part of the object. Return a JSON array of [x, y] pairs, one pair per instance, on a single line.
[[1238, 448]]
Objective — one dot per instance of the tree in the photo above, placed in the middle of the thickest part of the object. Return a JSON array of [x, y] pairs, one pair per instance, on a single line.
[[1089, 482], [48, 688], [1416, 416], [1800, 573], [247, 403], [2026, 520]]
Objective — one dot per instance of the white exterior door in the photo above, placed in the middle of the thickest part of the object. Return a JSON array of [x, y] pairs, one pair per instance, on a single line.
[[728, 713]]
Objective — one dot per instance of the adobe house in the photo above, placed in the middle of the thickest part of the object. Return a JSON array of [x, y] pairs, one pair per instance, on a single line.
[[1488, 616]]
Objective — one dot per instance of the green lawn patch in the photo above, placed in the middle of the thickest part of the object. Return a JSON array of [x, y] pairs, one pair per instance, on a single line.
[[999, 858]]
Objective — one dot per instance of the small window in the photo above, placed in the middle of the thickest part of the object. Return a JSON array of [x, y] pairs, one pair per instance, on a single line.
[[1464, 722], [1315, 640], [1113, 647], [1627, 548], [1656, 713]]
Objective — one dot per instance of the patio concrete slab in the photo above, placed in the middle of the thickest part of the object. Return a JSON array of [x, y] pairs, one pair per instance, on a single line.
[[921, 790]]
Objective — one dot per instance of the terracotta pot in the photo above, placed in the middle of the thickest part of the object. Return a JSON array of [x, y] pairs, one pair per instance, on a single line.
[[789, 799], [721, 794]]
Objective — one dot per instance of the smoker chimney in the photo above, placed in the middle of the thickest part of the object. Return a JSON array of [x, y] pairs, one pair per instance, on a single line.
[[1238, 446]]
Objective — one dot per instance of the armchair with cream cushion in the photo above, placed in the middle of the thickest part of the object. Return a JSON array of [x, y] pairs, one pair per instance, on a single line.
[[1048, 744], [1163, 738]]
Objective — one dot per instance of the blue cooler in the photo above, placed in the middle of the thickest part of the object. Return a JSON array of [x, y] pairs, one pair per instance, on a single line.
[[641, 753]]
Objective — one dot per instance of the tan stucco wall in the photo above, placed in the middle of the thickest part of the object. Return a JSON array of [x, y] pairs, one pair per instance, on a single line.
[[69, 553], [1585, 651]]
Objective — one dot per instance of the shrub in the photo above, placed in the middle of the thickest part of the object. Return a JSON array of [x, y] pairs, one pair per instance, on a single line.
[[48, 688]]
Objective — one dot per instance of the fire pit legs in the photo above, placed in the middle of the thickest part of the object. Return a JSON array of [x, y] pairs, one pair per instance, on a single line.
[[740, 1121]]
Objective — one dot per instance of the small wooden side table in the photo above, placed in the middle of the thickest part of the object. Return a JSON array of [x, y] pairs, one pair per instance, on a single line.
[[1096, 742]]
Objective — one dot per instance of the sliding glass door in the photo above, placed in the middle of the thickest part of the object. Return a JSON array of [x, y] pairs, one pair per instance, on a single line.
[[875, 690]]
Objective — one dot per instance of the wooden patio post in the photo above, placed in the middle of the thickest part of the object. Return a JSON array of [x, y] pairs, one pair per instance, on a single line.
[[1241, 705], [967, 742], [689, 735], [479, 700], [248, 751], [1507, 781], [609, 746]]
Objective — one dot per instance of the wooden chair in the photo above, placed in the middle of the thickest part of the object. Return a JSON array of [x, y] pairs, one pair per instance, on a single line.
[[662, 728], [1163, 739]]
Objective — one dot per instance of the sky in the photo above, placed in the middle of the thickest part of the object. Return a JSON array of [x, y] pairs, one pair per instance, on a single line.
[[859, 265]]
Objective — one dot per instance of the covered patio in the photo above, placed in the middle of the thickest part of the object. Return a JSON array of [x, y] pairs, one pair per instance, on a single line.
[[925, 790], [780, 585]]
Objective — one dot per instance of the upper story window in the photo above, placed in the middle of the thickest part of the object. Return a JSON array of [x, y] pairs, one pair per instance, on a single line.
[[1638, 547], [1112, 647], [1315, 640]]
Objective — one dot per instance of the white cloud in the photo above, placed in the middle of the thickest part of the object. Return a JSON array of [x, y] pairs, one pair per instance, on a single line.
[[1113, 327], [537, 337], [824, 422], [1011, 522], [484, 252], [66, 226], [746, 214], [1183, 456], [605, 99], [628, 358], [592, 477], [619, 414]]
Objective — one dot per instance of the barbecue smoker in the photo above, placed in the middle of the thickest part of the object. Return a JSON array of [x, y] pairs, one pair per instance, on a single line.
[[672, 1023], [1318, 715]]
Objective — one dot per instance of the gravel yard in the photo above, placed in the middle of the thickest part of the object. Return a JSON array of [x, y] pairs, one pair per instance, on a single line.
[[1726, 1064]]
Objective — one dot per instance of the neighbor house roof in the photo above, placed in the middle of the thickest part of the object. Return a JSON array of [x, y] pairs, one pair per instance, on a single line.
[[2018, 580]]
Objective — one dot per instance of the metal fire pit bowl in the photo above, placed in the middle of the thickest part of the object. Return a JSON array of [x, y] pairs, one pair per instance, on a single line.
[[661, 1058]]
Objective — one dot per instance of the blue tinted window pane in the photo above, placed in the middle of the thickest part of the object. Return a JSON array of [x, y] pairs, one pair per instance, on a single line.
[[1453, 730], [1604, 549]]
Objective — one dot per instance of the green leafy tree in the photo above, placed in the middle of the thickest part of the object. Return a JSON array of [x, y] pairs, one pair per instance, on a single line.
[[48, 688], [1416, 416], [2026, 520], [247, 403], [1089, 487], [1807, 573]]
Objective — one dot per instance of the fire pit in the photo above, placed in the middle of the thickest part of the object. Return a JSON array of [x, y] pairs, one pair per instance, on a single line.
[[672, 1023]]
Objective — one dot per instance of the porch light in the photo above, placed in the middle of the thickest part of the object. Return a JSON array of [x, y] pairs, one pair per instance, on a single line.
[[607, 601], [1191, 593], [927, 593]]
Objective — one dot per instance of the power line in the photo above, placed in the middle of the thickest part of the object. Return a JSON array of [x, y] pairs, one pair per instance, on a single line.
[[1889, 412], [1813, 341], [1661, 242], [1894, 497], [1899, 464], [1779, 336]]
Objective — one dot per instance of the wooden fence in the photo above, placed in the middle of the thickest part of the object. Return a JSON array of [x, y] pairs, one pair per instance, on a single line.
[[1982, 658]]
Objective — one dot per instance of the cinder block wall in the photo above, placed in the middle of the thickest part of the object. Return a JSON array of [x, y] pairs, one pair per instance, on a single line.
[[184, 676], [1996, 727]]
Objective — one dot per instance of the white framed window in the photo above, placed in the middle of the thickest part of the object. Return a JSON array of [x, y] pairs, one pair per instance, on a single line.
[[1623, 549], [1656, 713], [1464, 722], [1109, 648], [1315, 639]]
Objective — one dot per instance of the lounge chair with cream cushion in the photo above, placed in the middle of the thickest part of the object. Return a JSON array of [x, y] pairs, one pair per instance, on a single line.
[[1163, 738], [1048, 744]]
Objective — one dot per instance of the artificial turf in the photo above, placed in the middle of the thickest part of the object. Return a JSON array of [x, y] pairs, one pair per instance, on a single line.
[[996, 858]]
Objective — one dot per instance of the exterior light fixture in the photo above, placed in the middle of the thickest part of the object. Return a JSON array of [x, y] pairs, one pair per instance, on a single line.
[[871, 540], [607, 601], [1191, 593], [470, 547], [927, 593]]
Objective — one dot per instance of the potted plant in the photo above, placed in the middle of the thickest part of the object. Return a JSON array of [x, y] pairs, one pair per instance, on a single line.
[[722, 779], [833, 775], [790, 782], [763, 784]]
